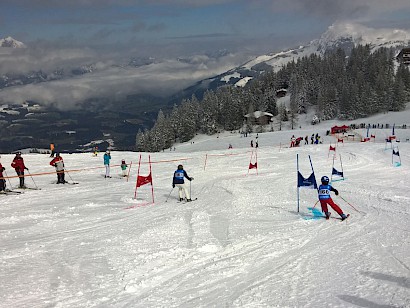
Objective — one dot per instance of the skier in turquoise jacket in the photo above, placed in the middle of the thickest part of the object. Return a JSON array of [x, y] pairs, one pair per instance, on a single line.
[[107, 158]]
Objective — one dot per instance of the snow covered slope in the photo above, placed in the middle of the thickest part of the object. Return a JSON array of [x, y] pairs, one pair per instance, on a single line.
[[241, 244]]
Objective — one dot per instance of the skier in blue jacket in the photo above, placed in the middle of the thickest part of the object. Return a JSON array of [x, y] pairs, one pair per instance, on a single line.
[[107, 158], [178, 181]]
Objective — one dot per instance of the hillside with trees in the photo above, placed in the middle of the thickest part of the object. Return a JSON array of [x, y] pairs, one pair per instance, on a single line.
[[335, 85]]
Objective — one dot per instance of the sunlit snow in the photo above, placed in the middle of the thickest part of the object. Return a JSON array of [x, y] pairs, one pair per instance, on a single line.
[[242, 243]]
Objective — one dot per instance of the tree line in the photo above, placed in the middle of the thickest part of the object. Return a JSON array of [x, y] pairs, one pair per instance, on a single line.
[[335, 85]]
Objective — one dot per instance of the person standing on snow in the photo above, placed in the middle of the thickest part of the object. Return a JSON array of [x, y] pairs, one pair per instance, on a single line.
[[107, 158], [58, 163], [178, 181], [2, 179], [18, 165], [124, 168], [292, 141], [325, 199], [52, 149]]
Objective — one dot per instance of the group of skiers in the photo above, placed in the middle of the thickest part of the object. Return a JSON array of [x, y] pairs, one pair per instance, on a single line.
[[295, 142], [19, 167], [107, 159], [323, 191], [58, 163], [178, 180]]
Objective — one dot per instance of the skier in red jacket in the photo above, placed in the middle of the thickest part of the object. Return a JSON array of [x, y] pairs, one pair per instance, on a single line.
[[58, 163], [2, 179], [18, 165]]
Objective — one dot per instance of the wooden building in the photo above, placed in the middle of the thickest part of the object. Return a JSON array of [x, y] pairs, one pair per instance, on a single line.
[[404, 56], [260, 117]]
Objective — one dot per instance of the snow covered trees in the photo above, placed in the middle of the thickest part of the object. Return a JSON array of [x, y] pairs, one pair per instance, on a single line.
[[336, 85]]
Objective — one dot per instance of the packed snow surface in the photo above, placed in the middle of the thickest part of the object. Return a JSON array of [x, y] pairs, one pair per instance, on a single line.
[[242, 243]]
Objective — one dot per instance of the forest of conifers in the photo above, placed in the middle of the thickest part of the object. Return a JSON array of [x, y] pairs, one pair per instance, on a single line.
[[335, 85]]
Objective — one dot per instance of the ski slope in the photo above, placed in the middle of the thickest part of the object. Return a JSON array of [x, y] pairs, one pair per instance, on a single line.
[[241, 244]]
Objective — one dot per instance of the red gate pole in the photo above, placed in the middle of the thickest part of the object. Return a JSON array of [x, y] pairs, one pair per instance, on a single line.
[[150, 172], [138, 173]]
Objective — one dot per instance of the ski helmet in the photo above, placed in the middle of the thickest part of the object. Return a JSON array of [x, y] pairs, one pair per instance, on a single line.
[[324, 180], [180, 167]]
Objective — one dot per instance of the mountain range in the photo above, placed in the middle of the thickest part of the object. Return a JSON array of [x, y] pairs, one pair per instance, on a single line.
[[98, 117], [343, 35]]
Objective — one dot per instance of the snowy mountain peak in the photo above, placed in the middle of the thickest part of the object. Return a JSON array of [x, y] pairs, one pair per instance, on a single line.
[[11, 42], [340, 33]]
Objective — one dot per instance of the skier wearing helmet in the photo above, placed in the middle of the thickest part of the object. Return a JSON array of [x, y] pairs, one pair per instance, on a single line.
[[178, 181], [325, 199], [19, 166], [58, 163], [124, 168]]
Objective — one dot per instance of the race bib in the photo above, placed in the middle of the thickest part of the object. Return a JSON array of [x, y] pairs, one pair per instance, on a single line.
[[324, 192]]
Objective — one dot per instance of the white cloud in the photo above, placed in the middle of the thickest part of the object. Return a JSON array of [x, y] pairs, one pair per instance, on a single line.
[[116, 82]]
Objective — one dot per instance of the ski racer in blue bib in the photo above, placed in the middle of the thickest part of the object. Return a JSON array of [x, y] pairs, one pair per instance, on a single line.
[[178, 181], [325, 199]]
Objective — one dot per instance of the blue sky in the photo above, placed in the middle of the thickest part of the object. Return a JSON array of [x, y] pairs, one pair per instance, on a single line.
[[190, 26]]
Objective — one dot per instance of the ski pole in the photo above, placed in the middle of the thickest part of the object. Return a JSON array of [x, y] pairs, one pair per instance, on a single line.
[[70, 176], [349, 203], [169, 194], [316, 203], [11, 187], [32, 179]]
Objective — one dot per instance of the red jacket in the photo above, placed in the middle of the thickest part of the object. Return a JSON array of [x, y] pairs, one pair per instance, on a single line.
[[1, 170], [18, 164], [58, 163]]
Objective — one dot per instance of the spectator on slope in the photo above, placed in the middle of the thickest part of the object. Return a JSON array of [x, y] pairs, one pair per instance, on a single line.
[[325, 199], [178, 180], [52, 149], [107, 158], [18, 165], [2, 179], [95, 151], [306, 140], [58, 163], [124, 168], [312, 139], [292, 141], [251, 143]]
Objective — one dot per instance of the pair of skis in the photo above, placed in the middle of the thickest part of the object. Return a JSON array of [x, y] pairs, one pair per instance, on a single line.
[[340, 218], [10, 192], [185, 200]]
